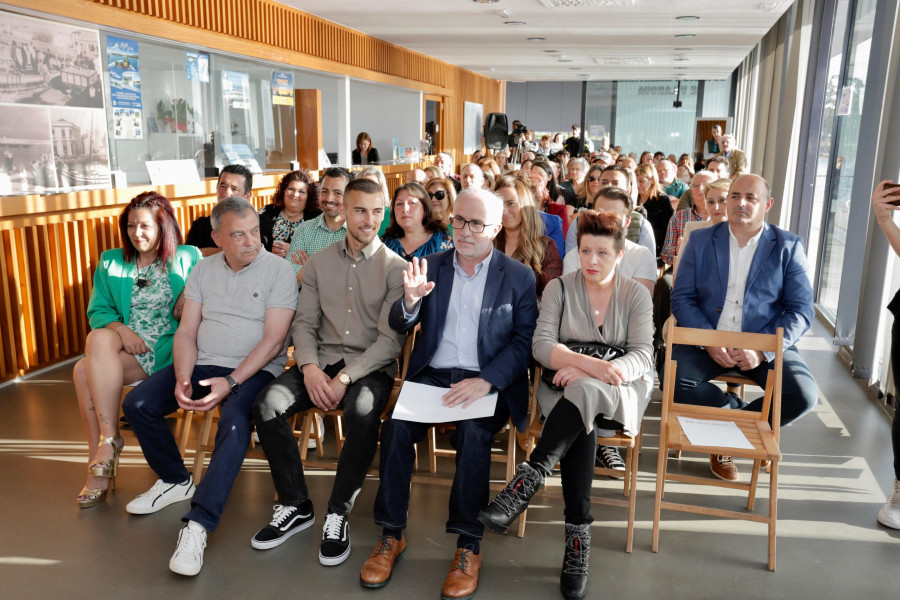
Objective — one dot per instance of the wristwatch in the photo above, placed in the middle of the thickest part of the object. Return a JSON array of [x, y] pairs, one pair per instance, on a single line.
[[344, 378], [233, 385]]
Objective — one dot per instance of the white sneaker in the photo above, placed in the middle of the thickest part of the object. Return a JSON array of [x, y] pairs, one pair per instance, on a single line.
[[188, 557], [160, 496], [889, 515], [311, 444]]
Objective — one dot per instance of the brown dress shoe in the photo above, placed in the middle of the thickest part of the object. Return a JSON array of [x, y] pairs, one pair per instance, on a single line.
[[379, 567], [723, 467], [462, 580]]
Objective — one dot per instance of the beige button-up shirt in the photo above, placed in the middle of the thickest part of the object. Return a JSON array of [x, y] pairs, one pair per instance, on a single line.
[[343, 309]]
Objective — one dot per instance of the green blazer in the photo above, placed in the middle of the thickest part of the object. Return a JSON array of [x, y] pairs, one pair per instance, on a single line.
[[111, 296]]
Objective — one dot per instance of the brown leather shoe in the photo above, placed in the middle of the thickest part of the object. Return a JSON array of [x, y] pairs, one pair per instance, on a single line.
[[462, 580], [723, 467], [379, 567]]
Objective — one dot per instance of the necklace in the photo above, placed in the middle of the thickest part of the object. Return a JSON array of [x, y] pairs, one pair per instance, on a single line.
[[142, 281]]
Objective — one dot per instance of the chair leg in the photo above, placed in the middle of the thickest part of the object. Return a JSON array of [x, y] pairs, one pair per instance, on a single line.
[[660, 485], [339, 432], [773, 512], [304, 436], [202, 445], [185, 430], [432, 445], [511, 453], [529, 447], [317, 431], [754, 480], [629, 455], [631, 478]]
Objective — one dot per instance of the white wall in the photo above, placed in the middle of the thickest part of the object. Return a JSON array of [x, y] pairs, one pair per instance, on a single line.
[[385, 112]]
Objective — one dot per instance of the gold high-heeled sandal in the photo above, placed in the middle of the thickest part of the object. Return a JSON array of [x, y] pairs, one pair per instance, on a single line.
[[108, 469], [88, 497]]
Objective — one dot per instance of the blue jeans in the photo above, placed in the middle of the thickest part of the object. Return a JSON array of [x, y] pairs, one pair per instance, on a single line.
[[146, 407], [472, 441], [799, 394]]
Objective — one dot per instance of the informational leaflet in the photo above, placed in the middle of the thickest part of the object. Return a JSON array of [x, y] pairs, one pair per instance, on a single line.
[[197, 66], [125, 87], [422, 403], [282, 88], [236, 89]]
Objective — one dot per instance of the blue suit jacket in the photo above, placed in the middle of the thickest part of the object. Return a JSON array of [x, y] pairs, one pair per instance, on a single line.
[[554, 230], [505, 328], [777, 293]]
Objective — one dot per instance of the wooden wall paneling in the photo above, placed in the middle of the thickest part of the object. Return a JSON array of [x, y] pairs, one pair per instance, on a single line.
[[83, 278], [308, 115], [40, 339], [7, 331], [61, 287], [23, 292]]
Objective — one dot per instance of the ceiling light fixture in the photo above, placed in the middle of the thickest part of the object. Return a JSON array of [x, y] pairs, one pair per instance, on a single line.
[[536, 39], [684, 35], [687, 18], [552, 51], [514, 23], [485, 1]]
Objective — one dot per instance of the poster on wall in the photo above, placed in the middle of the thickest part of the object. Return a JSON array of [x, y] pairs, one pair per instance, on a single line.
[[48, 63], [124, 87], [53, 134], [282, 88], [197, 65], [236, 89], [473, 127]]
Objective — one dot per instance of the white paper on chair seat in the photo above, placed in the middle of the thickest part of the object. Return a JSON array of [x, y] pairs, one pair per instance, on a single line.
[[422, 403], [706, 432]]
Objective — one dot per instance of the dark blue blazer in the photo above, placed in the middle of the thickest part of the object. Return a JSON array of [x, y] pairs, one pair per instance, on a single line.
[[508, 318], [554, 230], [777, 293]]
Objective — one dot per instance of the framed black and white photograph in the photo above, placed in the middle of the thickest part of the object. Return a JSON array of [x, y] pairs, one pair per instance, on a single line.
[[80, 148], [48, 63], [26, 154]]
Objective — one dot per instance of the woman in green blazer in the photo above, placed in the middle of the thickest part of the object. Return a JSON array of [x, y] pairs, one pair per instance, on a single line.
[[133, 313]]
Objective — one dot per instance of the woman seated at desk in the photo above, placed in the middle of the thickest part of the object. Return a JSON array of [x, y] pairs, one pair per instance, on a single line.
[[364, 152], [133, 313], [414, 232], [593, 396]]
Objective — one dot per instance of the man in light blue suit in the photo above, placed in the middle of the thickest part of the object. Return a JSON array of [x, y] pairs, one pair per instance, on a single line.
[[743, 275], [478, 310]]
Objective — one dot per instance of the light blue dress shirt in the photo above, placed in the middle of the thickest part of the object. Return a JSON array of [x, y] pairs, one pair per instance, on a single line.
[[458, 348]]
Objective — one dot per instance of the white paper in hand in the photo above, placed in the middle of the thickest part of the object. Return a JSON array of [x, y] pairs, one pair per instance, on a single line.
[[423, 403]]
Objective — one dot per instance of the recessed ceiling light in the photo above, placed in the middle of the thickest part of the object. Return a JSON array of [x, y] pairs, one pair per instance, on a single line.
[[536, 39], [684, 35], [485, 1], [675, 68], [514, 23], [681, 58], [687, 18], [552, 51], [566, 60], [677, 49]]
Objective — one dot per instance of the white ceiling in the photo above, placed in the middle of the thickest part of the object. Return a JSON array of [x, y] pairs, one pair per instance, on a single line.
[[595, 36]]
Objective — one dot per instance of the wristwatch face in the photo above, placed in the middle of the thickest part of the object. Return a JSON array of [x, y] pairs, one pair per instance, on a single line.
[[233, 385], [344, 378]]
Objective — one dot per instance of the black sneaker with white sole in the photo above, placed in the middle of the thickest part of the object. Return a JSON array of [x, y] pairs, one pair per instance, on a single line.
[[335, 546], [608, 457], [286, 521]]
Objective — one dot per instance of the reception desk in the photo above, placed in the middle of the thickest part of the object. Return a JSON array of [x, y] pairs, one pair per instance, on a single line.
[[50, 248]]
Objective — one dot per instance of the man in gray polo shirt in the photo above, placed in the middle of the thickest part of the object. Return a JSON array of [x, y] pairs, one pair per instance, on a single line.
[[346, 354], [229, 345]]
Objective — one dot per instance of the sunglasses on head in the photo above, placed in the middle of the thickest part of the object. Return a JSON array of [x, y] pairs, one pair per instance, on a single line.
[[438, 195]]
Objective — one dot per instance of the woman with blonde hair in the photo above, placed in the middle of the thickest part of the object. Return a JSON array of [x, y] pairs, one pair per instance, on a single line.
[[489, 165], [522, 236], [432, 172], [442, 194], [657, 204]]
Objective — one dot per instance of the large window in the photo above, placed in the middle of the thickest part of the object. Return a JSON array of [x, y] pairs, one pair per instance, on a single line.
[[838, 150]]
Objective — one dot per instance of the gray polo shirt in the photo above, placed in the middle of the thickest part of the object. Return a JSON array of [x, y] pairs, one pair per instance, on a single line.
[[233, 315]]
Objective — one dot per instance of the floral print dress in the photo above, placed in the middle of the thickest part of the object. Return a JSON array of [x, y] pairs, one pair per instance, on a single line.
[[151, 304]]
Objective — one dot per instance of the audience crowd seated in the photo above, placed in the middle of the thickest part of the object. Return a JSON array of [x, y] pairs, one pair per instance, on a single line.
[[464, 260]]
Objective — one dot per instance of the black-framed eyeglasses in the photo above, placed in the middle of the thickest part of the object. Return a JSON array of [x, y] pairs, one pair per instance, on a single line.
[[474, 226], [438, 195]]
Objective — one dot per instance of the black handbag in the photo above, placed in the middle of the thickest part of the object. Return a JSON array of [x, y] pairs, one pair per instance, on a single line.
[[593, 349]]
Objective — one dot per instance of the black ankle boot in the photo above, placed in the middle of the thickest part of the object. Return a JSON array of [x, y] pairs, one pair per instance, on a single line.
[[574, 576], [512, 500]]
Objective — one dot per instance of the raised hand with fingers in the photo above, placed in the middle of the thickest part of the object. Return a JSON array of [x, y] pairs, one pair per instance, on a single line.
[[415, 283]]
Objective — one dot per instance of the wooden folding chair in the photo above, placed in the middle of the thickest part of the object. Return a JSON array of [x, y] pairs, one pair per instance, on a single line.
[[754, 425], [632, 447]]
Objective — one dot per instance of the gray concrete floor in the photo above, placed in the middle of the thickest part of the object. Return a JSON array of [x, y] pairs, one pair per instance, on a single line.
[[835, 475]]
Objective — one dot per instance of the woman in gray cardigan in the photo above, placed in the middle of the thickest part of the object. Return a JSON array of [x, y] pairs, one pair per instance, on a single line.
[[593, 304]]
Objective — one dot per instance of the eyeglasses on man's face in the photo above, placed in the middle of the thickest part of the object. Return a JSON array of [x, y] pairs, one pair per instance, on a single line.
[[460, 223]]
